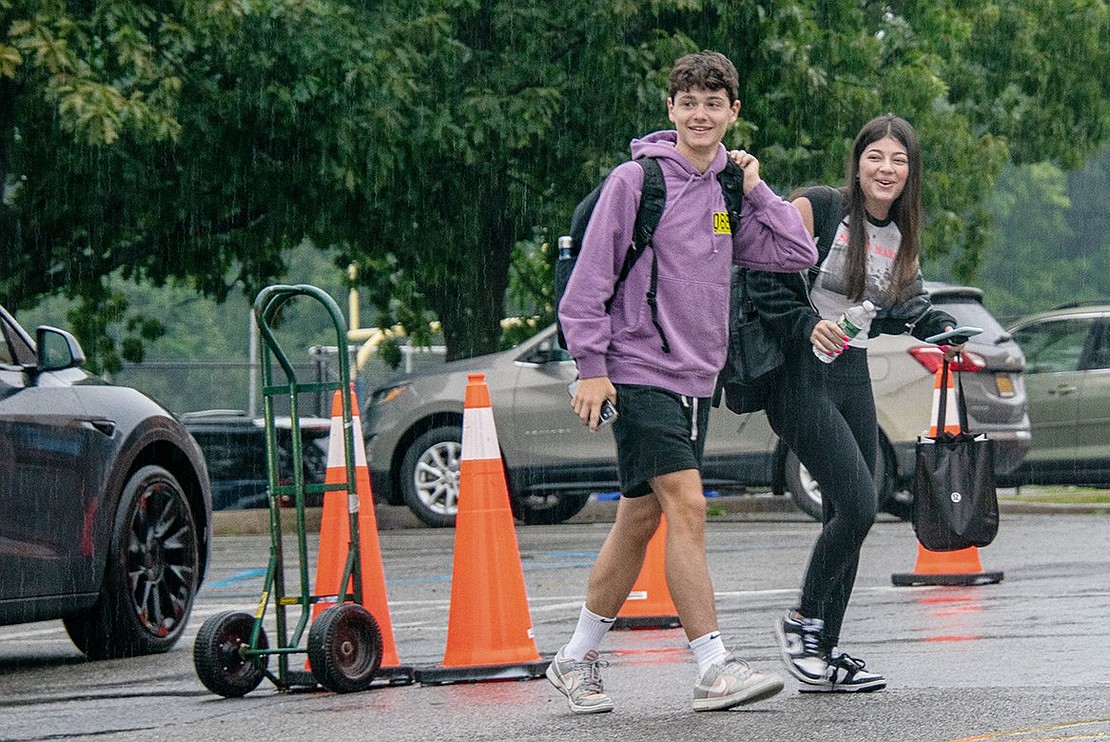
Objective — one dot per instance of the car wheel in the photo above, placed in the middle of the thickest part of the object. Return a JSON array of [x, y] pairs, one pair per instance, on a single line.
[[430, 476], [150, 579], [547, 510], [900, 504], [890, 501], [805, 491]]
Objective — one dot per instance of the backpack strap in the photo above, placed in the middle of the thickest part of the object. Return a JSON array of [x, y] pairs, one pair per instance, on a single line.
[[825, 239], [652, 200], [653, 197], [826, 223], [732, 186]]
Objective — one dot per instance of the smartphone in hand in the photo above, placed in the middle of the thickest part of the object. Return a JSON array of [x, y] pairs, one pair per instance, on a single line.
[[608, 411], [958, 336]]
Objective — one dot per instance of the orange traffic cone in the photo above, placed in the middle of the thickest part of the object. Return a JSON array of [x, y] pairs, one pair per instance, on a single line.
[[649, 605], [489, 627], [960, 567], [335, 540]]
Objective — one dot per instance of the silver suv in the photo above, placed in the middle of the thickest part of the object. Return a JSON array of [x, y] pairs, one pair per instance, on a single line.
[[413, 426], [1067, 375]]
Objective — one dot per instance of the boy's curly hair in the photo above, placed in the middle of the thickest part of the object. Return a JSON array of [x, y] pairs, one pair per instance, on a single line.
[[705, 69]]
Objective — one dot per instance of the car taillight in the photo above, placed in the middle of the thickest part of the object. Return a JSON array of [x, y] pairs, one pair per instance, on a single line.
[[930, 356]]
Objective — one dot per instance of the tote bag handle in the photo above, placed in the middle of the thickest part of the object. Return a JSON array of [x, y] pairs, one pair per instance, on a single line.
[[961, 404]]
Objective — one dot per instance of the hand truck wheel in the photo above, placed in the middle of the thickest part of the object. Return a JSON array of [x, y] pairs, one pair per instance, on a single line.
[[345, 648], [218, 654]]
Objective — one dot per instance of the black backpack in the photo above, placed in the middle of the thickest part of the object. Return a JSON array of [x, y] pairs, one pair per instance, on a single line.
[[652, 200]]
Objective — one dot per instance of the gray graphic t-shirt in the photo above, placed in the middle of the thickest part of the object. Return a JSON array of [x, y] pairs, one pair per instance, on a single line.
[[830, 290]]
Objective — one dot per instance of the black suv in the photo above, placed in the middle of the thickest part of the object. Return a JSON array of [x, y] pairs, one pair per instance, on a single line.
[[234, 446]]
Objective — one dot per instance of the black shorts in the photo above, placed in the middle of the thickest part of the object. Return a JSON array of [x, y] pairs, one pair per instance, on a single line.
[[657, 432]]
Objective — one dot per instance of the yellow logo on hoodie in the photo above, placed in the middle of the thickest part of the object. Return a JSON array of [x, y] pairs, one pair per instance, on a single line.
[[720, 223]]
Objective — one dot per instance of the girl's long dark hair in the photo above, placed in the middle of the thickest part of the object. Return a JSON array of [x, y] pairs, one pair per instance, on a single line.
[[905, 211]]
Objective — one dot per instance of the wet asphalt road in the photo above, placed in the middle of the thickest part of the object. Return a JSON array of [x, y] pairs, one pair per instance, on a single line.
[[1024, 659]]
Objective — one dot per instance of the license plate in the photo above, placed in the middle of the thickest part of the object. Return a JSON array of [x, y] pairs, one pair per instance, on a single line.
[[1005, 385]]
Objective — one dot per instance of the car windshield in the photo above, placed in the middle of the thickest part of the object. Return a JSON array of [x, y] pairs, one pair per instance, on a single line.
[[968, 311], [13, 349]]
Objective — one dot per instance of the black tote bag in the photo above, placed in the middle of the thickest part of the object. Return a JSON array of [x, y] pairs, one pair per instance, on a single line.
[[955, 502]]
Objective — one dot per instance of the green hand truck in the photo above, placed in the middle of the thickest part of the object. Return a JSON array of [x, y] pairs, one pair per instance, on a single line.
[[344, 644]]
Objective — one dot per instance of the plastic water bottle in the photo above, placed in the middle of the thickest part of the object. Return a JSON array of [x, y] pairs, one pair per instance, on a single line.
[[566, 242], [850, 323]]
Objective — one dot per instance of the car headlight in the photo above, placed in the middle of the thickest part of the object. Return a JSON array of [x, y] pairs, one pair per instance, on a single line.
[[388, 394]]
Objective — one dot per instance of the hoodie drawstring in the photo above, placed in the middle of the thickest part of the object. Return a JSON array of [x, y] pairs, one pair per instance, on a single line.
[[691, 403]]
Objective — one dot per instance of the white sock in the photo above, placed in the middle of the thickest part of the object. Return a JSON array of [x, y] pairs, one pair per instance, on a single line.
[[588, 634], [708, 651]]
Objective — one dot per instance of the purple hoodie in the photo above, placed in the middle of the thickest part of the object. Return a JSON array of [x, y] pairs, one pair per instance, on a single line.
[[694, 273]]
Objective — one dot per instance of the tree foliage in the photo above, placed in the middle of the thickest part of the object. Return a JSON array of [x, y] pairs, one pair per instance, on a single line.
[[426, 140], [1050, 244], [192, 141]]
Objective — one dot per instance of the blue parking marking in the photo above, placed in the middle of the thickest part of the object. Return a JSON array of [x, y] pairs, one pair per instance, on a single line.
[[247, 574], [529, 566], [561, 554], [529, 562], [418, 580]]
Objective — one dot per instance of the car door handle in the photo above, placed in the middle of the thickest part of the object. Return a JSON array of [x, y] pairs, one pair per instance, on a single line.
[[103, 425], [1064, 390]]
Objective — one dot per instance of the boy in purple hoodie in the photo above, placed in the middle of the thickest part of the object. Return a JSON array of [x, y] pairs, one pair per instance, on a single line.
[[663, 395]]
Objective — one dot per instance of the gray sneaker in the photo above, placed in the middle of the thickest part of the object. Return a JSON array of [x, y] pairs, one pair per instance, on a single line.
[[580, 682], [733, 682]]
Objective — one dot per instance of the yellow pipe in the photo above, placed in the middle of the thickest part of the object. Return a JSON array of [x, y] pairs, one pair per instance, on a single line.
[[352, 300]]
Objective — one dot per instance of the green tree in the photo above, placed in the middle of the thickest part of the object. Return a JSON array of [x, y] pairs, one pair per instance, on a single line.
[[549, 98], [1089, 220], [428, 140], [1023, 268], [1049, 244], [192, 142]]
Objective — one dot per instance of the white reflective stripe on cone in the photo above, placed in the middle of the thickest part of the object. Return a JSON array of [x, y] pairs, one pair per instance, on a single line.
[[359, 444], [335, 443], [479, 435]]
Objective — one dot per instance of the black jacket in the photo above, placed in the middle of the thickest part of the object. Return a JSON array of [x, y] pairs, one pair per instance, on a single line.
[[784, 306]]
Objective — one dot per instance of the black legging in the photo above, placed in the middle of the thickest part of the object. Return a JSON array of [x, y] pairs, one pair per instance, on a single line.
[[825, 413]]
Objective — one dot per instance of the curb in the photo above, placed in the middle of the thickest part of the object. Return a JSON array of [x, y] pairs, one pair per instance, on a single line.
[[399, 517], [1015, 507]]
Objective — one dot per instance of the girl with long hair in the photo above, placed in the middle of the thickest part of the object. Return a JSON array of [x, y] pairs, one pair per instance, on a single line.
[[868, 233]]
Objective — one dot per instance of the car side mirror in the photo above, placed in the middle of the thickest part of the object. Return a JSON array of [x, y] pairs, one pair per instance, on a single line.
[[547, 354], [57, 350]]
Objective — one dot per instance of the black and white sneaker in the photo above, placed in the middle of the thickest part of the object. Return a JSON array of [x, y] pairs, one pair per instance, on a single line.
[[800, 644], [847, 674]]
